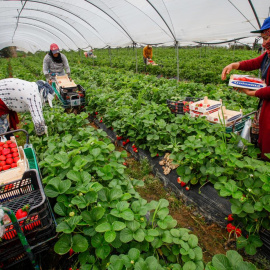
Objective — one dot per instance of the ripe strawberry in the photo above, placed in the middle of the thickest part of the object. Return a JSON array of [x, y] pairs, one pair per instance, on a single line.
[[187, 188], [22, 212], [8, 142], [96, 113], [71, 252], [157, 155], [230, 227], [238, 232], [133, 146], [14, 150], [183, 184], [16, 154], [6, 151], [124, 143], [124, 163], [127, 141], [5, 145], [2, 163], [9, 156], [230, 217], [12, 145], [14, 165], [9, 160], [100, 121], [2, 157], [10, 186], [16, 159], [6, 167], [17, 136]]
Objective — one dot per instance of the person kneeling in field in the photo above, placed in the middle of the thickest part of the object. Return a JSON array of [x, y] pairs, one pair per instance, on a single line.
[[22, 96], [90, 54], [262, 62]]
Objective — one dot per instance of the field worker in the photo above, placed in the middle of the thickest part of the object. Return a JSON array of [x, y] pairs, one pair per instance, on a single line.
[[90, 54], [18, 96], [55, 63], [262, 62], [147, 53]]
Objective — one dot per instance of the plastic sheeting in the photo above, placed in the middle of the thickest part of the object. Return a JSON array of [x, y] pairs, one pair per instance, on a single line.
[[84, 24]]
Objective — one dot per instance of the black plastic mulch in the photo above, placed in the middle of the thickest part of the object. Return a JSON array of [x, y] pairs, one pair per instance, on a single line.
[[206, 199]]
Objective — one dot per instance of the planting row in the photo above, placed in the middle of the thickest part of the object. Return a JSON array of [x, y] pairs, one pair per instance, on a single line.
[[102, 220]]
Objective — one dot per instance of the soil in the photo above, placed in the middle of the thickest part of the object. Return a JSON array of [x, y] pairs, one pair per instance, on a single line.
[[212, 238]]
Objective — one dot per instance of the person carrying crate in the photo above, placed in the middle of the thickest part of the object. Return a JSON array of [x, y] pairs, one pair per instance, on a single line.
[[262, 62], [22, 96], [55, 63], [147, 53]]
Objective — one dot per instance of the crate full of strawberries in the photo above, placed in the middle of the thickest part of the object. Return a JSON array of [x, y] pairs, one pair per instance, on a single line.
[[246, 81], [13, 162]]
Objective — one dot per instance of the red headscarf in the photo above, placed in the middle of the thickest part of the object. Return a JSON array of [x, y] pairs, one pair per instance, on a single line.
[[13, 117]]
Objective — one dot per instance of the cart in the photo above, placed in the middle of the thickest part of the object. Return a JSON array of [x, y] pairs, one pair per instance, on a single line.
[[71, 95], [239, 124], [29, 236]]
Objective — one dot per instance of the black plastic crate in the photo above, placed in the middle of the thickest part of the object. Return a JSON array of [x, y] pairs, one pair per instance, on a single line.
[[32, 226], [29, 185], [42, 242], [19, 193], [181, 106]]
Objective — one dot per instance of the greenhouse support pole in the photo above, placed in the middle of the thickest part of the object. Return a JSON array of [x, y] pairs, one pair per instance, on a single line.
[[177, 60], [134, 44], [234, 48], [110, 54]]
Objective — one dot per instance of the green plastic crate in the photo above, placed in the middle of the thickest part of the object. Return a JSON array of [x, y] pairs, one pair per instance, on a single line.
[[31, 156], [238, 126]]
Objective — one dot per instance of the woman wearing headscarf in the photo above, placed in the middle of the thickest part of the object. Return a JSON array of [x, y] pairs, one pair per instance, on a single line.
[[18, 96], [55, 63], [262, 62]]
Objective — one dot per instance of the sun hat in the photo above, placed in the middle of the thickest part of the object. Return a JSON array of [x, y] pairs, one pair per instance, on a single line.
[[266, 25], [54, 48]]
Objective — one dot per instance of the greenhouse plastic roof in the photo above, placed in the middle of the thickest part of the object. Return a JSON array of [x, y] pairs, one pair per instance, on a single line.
[[84, 24]]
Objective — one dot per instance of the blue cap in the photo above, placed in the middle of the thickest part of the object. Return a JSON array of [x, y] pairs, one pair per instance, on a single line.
[[266, 25]]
